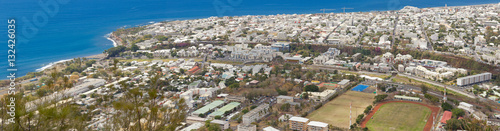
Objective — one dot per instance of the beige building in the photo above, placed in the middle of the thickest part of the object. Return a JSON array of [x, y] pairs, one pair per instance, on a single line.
[[255, 114], [284, 99], [317, 126], [298, 123], [244, 127]]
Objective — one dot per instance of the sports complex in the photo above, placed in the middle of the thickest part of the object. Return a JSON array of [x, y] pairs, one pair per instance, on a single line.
[[401, 115]]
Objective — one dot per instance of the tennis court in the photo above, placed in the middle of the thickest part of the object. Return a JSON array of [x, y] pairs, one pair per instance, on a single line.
[[359, 88]]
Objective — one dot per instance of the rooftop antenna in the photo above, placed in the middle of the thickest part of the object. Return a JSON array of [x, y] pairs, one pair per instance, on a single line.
[[325, 10], [346, 8]]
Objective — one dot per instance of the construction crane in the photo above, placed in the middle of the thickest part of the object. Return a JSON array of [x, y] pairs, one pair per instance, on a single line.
[[326, 10], [346, 8]]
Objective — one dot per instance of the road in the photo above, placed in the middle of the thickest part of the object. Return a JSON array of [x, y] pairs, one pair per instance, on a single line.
[[438, 84], [429, 43], [326, 38], [394, 30], [360, 38], [476, 56]]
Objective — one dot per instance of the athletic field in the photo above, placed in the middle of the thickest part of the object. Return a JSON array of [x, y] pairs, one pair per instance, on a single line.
[[336, 112], [399, 116]]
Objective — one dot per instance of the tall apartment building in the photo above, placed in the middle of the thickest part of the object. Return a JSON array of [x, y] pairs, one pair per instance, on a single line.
[[462, 81], [317, 126], [255, 114], [298, 123]]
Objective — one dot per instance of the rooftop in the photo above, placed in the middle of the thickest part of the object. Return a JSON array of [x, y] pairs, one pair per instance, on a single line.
[[317, 124], [487, 73], [193, 126], [446, 116], [224, 109], [299, 119], [256, 110], [209, 107], [406, 97], [270, 128], [284, 97], [343, 82]]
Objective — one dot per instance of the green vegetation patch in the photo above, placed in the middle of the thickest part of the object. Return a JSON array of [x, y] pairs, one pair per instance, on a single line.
[[400, 117], [336, 112]]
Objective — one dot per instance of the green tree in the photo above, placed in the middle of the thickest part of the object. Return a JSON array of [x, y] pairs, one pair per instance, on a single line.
[[368, 108], [446, 106], [114, 51], [424, 88], [285, 107], [311, 88], [379, 98], [457, 112], [134, 48]]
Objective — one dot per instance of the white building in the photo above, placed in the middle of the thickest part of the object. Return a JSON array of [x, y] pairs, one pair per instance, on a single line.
[[473, 79], [466, 107], [298, 123], [321, 96], [317, 126]]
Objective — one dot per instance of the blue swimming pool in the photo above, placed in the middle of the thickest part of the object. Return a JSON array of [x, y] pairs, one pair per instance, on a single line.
[[360, 88]]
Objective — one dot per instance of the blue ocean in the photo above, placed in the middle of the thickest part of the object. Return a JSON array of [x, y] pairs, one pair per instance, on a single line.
[[53, 30]]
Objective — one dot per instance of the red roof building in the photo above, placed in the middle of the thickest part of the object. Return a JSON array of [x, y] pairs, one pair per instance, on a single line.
[[194, 69], [446, 116]]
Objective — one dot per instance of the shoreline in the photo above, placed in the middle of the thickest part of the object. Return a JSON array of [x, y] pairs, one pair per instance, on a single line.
[[113, 39], [110, 38], [52, 64]]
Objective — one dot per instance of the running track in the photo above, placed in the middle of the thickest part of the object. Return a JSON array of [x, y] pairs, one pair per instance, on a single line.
[[428, 126]]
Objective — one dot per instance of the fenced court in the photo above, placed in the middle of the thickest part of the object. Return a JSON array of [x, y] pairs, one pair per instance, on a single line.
[[359, 88]]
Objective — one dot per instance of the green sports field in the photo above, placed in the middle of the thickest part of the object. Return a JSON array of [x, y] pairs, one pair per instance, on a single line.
[[336, 112], [400, 117]]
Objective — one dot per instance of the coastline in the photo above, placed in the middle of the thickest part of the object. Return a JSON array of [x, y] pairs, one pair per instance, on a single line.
[[116, 41], [108, 36], [50, 65]]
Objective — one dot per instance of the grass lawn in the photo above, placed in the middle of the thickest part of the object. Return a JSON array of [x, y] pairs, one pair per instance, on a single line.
[[336, 112], [399, 116]]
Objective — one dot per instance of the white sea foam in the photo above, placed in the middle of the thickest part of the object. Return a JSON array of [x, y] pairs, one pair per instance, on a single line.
[[109, 38], [51, 64]]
